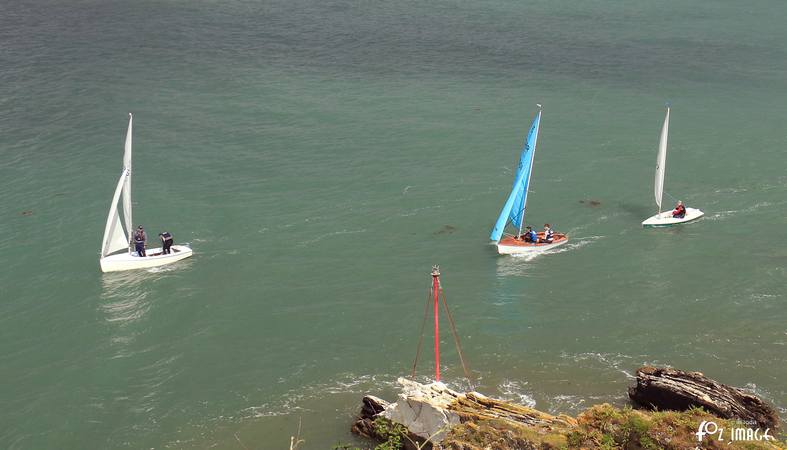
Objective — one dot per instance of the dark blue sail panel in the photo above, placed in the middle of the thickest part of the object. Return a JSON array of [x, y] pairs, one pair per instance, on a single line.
[[514, 208]]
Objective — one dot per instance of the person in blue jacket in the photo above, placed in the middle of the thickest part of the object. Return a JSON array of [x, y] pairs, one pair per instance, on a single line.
[[530, 235]]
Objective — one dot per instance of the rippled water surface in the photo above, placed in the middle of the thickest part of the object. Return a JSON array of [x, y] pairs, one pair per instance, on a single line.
[[320, 156]]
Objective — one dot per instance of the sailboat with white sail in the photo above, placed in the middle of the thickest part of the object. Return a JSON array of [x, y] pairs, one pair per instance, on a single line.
[[118, 234], [666, 218], [514, 208]]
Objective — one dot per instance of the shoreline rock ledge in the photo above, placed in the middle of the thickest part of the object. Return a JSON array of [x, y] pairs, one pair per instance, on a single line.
[[430, 411], [671, 389], [432, 417]]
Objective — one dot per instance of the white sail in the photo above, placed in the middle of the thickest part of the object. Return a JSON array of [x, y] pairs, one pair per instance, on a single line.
[[115, 237], [127, 184], [661, 161]]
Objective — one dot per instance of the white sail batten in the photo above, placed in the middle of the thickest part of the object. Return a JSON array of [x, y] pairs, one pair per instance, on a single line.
[[115, 237], [661, 161], [127, 184]]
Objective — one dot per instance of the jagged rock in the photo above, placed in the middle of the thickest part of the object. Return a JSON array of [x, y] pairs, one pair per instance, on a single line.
[[430, 411], [432, 416], [424, 409], [475, 406], [372, 406], [665, 388]]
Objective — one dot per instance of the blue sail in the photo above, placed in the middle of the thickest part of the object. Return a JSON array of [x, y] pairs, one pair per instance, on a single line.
[[514, 208]]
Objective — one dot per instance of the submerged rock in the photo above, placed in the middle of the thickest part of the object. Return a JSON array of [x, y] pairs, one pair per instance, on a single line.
[[446, 229]]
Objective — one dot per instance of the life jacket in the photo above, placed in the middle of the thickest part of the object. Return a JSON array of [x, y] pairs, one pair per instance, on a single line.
[[533, 236], [165, 236], [548, 235], [139, 237]]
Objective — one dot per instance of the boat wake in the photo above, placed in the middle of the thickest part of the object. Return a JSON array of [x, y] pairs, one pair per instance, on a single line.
[[575, 243], [571, 245], [723, 215]]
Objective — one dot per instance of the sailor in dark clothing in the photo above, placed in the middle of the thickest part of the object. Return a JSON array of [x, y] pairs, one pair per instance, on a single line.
[[166, 242], [140, 238]]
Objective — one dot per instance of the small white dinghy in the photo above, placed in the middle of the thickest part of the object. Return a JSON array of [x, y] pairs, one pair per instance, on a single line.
[[665, 219], [117, 237], [514, 208]]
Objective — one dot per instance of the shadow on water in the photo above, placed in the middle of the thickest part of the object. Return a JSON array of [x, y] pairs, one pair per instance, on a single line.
[[640, 211]]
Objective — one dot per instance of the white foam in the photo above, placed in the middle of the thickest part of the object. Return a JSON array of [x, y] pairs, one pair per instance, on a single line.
[[515, 391]]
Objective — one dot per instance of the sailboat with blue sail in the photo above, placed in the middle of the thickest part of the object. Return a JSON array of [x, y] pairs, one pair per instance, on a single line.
[[513, 211]]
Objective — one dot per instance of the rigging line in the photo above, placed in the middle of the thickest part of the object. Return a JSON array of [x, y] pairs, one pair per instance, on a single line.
[[673, 198], [421, 339], [456, 335]]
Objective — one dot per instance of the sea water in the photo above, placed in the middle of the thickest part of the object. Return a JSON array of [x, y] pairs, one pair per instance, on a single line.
[[321, 156]]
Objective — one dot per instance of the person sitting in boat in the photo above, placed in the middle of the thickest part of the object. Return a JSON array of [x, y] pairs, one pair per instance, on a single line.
[[549, 235], [140, 238], [680, 211], [530, 235], [166, 242]]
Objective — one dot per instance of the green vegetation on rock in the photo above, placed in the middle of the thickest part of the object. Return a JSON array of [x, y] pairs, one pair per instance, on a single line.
[[603, 427]]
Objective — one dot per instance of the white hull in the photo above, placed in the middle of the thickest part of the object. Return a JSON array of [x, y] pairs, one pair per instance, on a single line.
[[511, 246], [665, 219], [130, 261]]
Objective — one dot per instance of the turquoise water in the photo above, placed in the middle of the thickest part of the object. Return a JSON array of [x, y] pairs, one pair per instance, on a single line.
[[321, 156]]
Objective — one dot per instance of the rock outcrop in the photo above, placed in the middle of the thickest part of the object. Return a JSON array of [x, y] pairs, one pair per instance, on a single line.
[[430, 411], [432, 416], [671, 389]]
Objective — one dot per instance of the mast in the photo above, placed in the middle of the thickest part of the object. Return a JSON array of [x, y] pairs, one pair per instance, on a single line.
[[127, 205], [532, 158], [436, 294]]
